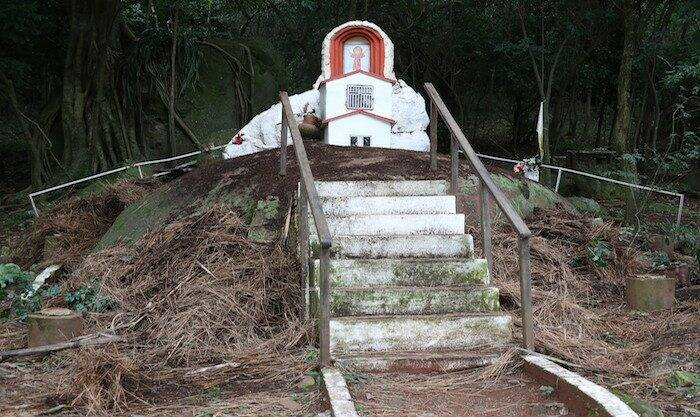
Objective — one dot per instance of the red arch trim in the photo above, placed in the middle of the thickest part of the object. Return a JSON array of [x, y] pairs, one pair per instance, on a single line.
[[376, 48]]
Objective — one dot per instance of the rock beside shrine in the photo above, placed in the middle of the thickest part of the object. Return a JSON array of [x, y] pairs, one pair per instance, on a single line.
[[263, 131]]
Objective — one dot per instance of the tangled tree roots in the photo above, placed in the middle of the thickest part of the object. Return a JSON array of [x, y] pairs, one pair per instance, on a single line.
[[199, 304]]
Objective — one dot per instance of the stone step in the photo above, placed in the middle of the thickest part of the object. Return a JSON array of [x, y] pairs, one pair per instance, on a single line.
[[381, 188], [360, 301], [395, 224], [405, 272], [400, 246], [418, 362], [423, 204], [418, 333]]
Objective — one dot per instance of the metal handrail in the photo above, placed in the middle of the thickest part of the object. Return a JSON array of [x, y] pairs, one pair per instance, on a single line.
[[308, 197], [487, 188]]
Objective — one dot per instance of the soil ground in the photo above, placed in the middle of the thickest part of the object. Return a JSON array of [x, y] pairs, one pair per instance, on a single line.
[[431, 395]]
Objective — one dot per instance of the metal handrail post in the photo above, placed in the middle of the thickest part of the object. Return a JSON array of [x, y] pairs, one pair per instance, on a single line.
[[306, 277], [556, 187], [454, 165], [680, 210], [433, 136], [325, 310], [485, 204], [526, 293], [283, 145]]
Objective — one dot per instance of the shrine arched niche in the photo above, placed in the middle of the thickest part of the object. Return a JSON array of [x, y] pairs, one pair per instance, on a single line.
[[357, 48]]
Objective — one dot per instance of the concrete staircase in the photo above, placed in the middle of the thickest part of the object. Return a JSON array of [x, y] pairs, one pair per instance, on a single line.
[[406, 291]]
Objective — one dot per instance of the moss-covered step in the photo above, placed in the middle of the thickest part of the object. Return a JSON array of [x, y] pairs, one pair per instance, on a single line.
[[418, 333], [359, 301], [400, 246], [395, 224], [381, 188], [405, 272], [422, 204]]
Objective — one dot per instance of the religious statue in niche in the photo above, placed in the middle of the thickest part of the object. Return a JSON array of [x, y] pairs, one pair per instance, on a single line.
[[356, 55]]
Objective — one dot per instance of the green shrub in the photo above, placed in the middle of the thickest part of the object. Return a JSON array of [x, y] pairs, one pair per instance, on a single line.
[[599, 252], [17, 295], [88, 298]]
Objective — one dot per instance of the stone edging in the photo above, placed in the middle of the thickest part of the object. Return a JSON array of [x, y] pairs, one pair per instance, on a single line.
[[577, 392], [338, 394]]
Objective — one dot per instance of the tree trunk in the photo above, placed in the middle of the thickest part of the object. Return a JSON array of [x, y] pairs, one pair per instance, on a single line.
[[93, 130], [171, 98], [621, 128], [587, 114]]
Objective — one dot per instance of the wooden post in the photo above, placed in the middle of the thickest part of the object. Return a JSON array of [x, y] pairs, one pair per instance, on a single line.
[[306, 277], [486, 225], [454, 165], [525, 293], [433, 136], [283, 145], [324, 317]]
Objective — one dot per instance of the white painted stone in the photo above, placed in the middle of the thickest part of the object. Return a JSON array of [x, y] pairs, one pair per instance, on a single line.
[[338, 394], [408, 110], [607, 400], [348, 206], [381, 188], [418, 333], [406, 272], [395, 224], [406, 246], [264, 130]]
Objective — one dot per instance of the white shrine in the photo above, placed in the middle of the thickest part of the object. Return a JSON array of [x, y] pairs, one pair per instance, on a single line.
[[357, 97]]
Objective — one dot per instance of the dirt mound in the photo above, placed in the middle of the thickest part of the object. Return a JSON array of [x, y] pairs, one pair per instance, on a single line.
[[74, 226], [246, 180], [199, 304]]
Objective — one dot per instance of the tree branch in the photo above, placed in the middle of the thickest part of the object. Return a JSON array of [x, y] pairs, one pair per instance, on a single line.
[[540, 83]]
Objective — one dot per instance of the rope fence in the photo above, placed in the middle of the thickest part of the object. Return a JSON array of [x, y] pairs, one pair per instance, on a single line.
[[560, 170], [136, 165], [681, 197]]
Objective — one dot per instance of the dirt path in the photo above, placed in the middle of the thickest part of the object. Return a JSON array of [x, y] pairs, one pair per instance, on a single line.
[[433, 395]]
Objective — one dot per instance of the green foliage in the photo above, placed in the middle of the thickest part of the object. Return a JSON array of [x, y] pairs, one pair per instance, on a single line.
[[355, 378], [268, 208], [547, 390], [17, 296], [311, 354], [599, 252], [660, 259], [212, 393], [686, 237], [89, 299], [643, 408], [685, 379]]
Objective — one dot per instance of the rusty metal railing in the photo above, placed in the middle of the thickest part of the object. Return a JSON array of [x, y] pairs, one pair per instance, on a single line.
[[487, 189], [308, 198]]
